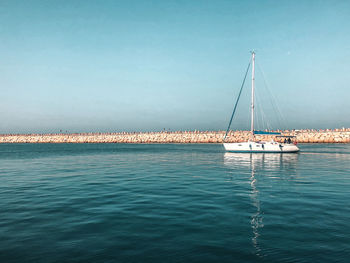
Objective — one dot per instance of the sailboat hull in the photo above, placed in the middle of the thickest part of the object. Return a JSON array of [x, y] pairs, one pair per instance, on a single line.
[[259, 147]]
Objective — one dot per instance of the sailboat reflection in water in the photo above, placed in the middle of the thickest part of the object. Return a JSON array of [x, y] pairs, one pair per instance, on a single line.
[[261, 165]]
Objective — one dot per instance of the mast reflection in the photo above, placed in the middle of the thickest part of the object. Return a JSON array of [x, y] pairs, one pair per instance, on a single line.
[[264, 164]]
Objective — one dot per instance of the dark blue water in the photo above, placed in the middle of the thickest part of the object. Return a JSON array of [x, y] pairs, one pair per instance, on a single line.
[[173, 203]]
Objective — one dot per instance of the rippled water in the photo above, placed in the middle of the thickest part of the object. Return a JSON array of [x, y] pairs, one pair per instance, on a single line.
[[173, 203]]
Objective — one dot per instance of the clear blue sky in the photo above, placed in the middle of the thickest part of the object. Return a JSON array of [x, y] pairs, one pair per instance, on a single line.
[[148, 65]]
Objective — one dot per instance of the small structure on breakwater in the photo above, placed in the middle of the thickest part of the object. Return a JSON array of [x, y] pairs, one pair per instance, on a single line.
[[302, 136]]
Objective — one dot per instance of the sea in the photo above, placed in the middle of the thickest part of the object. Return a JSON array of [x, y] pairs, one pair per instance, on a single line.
[[173, 203]]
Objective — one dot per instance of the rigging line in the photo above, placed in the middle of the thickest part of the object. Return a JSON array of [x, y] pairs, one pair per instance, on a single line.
[[265, 120], [239, 95], [258, 110], [280, 118], [273, 99]]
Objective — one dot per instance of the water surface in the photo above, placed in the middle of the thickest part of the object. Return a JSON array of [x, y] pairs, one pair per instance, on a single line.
[[173, 203]]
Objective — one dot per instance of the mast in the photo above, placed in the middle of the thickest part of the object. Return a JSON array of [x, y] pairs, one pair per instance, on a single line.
[[252, 103]]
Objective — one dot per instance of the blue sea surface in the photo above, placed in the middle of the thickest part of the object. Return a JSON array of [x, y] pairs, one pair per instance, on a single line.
[[173, 203]]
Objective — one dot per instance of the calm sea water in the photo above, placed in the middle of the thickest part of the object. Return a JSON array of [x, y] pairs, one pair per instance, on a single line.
[[173, 203]]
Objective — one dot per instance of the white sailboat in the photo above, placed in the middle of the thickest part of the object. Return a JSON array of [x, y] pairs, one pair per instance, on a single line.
[[252, 145]]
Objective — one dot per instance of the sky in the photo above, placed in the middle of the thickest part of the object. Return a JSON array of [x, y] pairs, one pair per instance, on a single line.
[[110, 66]]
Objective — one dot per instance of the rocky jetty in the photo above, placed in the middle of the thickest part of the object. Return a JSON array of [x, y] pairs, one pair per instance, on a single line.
[[302, 136]]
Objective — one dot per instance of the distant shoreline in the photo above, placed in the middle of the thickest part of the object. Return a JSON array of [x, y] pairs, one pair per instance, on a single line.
[[302, 136]]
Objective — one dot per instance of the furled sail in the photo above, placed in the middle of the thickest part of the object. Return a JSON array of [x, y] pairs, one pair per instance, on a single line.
[[267, 132]]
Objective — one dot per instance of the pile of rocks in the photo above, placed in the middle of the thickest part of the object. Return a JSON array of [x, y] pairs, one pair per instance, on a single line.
[[302, 136]]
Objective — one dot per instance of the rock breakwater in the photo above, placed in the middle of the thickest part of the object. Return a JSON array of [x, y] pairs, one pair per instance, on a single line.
[[302, 136]]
